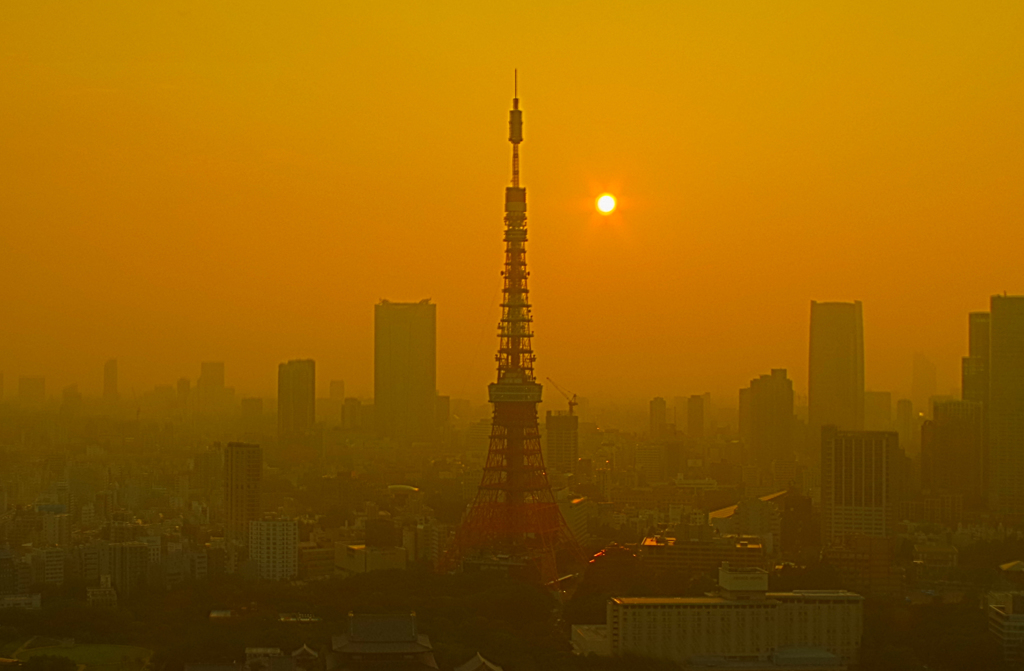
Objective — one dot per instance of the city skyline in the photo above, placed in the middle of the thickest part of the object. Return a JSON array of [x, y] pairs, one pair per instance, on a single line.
[[250, 167]]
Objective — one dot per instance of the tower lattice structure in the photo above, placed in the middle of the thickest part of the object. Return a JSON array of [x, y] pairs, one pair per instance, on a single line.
[[514, 512]]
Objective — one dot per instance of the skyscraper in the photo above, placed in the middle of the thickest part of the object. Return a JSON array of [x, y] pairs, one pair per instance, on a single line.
[[296, 403], [562, 432], [975, 365], [243, 475], [836, 371], [1006, 405], [405, 370], [952, 451], [860, 483], [658, 417], [768, 426], [110, 380], [210, 394], [923, 383], [695, 416]]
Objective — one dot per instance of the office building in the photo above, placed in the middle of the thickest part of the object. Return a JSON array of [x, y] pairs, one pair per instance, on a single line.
[[659, 418], [923, 383], [296, 403], [129, 565], [952, 451], [860, 483], [908, 425], [562, 434], [700, 556], [1006, 405], [742, 626], [405, 370], [211, 395], [695, 409], [835, 393], [974, 370], [767, 420], [243, 475], [274, 548]]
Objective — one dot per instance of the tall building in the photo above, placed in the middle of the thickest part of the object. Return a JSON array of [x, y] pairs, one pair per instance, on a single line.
[[952, 451], [296, 403], [210, 391], [835, 392], [110, 380], [659, 418], [695, 416], [128, 563], [1006, 405], [975, 365], [405, 370], [274, 548], [923, 383], [768, 420], [861, 478], [243, 476], [514, 523], [908, 425], [562, 432]]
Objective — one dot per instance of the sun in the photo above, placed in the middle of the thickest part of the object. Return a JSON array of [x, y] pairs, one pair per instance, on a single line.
[[606, 203]]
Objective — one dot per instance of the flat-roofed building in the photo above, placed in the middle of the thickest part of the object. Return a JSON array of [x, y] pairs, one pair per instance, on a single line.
[[701, 556], [742, 626]]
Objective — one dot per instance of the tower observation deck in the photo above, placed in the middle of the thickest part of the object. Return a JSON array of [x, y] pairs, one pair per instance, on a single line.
[[514, 515]]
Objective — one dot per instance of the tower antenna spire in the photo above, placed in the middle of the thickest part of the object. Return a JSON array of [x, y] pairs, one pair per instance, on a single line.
[[514, 513]]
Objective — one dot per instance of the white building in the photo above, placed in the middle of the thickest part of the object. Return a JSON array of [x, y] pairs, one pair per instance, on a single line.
[[1006, 623], [742, 625], [274, 547]]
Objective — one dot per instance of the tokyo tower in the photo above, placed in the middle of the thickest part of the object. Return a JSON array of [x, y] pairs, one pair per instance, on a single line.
[[514, 517]]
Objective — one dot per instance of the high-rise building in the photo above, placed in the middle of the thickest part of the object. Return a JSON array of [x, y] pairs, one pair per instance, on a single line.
[[562, 433], [908, 425], [695, 416], [658, 417], [1006, 405], [923, 383], [952, 451], [110, 380], [405, 370], [975, 365], [210, 388], [128, 563], [835, 394], [861, 482], [243, 476], [766, 410], [296, 403], [274, 547]]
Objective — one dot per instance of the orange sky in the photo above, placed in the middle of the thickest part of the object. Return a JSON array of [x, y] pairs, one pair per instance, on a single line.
[[182, 183]]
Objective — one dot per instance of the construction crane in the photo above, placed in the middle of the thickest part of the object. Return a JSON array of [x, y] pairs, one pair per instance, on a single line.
[[572, 399]]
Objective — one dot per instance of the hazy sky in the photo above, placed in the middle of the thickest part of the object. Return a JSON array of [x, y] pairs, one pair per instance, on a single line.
[[242, 181]]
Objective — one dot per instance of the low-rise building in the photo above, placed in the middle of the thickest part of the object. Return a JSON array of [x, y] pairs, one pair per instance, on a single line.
[[1006, 623], [742, 626], [103, 596], [701, 556]]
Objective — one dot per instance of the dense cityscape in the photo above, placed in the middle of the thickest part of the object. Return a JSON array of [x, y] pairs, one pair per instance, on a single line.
[[192, 527], [295, 376]]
